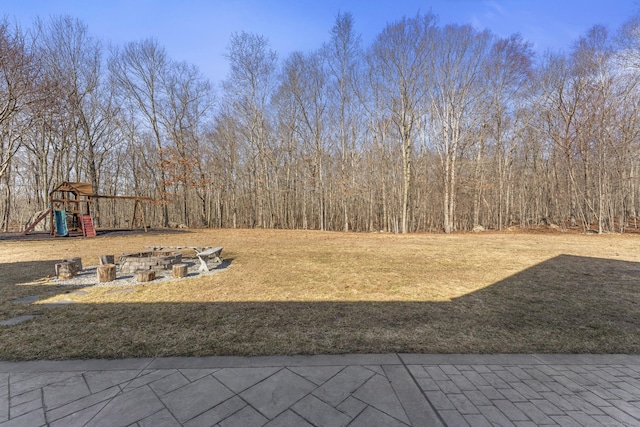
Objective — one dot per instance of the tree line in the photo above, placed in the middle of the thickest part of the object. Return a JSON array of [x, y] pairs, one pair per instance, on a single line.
[[428, 128]]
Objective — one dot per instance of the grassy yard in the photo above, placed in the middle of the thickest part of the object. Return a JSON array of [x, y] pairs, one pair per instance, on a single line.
[[307, 292]]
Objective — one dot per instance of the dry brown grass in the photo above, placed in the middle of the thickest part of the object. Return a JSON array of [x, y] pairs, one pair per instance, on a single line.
[[305, 292]]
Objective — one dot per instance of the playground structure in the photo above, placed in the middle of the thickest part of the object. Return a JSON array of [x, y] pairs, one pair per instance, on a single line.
[[70, 210]]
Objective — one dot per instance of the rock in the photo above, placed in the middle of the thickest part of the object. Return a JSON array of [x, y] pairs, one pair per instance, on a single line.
[[26, 300], [478, 228], [17, 320]]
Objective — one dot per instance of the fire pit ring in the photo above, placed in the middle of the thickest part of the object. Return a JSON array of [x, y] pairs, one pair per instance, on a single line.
[[149, 260]]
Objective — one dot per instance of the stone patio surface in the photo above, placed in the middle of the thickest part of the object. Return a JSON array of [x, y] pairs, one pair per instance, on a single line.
[[346, 390]]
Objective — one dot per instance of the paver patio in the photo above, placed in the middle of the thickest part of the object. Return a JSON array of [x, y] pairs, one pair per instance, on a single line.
[[346, 390]]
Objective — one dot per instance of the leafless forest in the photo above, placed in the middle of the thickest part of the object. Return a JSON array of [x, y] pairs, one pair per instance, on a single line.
[[428, 128]]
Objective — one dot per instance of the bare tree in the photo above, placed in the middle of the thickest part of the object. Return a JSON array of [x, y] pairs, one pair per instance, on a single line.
[[74, 59], [432, 128], [18, 82], [16, 90], [137, 72], [626, 131], [189, 99], [343, 52], [249, 86], [398, 58], [307, 82], [508, 71], [561, 96], [456, 86]]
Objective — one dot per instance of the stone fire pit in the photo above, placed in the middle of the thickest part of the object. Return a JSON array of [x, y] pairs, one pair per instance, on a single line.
[[151, 260]]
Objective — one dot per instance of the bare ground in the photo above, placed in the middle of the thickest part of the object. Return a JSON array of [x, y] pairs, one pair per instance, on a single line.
[[307, 292]]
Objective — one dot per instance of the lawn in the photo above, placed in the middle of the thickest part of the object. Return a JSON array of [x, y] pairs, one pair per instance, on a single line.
[[310, 292]]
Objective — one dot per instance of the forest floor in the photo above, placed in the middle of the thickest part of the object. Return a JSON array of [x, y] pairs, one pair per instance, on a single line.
[[311, 292]]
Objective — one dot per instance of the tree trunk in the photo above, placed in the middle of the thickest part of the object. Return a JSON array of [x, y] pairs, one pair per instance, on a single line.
[[106, 273]]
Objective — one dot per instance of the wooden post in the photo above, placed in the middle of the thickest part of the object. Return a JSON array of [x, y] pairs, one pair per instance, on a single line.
[[135, 214], [107, 259], [66, 270], [145, 275], [76, 261], [106, 273], [180, 270], [51, 219], [138, 214]]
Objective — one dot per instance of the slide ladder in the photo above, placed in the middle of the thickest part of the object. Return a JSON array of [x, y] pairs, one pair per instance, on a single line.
[[87, 226]]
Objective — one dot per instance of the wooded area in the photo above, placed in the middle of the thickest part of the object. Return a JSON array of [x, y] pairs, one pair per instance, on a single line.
[[428, 128]]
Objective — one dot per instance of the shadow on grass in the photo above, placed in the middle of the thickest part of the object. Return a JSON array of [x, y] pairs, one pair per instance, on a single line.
[[567, 304], [45, 235], [150, 231], [15, 273]]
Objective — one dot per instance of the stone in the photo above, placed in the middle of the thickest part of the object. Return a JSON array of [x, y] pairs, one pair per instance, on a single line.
[[320, 413], [169, 383], [26, 300], [162, 418], [288, 419], [196, 398], [240, 379], [106, 272], [478, 228], [275, 394], [246, 417], [64, 392], [220, 412], [151, 260], [377, 392], [128, 408], [17, 320], [343, 384], [373, 417], [317, 374]]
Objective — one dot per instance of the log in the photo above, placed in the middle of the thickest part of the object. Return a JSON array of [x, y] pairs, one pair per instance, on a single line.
[[145, 275], [66, 270], [77, 261], [106, 273], [107, 259], [180, 270]]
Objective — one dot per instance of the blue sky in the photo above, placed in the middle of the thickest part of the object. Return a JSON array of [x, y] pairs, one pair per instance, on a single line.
[[198, 30]]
